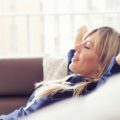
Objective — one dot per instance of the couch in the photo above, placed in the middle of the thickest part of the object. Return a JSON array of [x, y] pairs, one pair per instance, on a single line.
[[17, 79], [102, 104]]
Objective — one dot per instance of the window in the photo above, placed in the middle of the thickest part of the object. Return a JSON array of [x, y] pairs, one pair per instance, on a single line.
[[30, 28]]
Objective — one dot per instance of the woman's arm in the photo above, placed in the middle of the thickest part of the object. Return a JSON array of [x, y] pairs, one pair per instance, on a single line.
[[116, 67], [70, 55], [80, 34], [113, 68]]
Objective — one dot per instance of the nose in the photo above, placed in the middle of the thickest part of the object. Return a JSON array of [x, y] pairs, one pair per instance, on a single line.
[[78, 47]]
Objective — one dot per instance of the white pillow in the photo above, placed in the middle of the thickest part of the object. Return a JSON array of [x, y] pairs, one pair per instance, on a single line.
[[54, 67]]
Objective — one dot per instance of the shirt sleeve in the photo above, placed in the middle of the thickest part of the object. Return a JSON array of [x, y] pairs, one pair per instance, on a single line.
[[20, 112], [113, 68], [70, 55], [34, 105]]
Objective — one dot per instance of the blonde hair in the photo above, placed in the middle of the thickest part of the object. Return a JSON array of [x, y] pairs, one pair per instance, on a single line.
[[108, 46]]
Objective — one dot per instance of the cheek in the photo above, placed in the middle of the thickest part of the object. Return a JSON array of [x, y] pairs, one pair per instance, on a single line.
[[85, 65], [90, 65], [90, 62]]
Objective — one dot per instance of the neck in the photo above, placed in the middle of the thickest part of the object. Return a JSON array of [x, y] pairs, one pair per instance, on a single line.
[[94, 77]]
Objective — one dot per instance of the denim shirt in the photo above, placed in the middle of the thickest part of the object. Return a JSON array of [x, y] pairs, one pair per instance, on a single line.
[[33, 106]]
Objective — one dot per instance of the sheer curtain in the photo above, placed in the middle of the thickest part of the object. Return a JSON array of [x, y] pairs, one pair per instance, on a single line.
[[30, 28]]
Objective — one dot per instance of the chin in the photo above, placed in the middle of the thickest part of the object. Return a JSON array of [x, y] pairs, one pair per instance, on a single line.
[[72, 68]]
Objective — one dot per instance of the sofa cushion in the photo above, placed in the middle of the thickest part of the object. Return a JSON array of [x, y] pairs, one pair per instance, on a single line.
[[18, 76], [54, 67]]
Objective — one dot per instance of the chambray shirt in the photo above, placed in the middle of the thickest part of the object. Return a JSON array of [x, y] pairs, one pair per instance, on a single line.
[[33, 106]]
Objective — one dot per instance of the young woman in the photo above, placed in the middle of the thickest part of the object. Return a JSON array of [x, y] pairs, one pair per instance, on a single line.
[[92, 61]]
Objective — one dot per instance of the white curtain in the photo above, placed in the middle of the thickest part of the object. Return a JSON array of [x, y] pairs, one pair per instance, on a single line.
[[30, 28]]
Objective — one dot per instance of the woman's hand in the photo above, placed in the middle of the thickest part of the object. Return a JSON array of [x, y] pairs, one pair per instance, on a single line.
[[81, 32], [118, 59]]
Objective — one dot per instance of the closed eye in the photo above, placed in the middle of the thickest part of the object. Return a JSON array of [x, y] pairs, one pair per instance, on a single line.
[[88, 44]]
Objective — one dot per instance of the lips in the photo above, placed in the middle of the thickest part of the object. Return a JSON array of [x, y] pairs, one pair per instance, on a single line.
[[74, 59]]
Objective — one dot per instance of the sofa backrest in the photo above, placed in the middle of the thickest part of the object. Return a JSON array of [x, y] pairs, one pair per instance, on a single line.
[[18, 76]]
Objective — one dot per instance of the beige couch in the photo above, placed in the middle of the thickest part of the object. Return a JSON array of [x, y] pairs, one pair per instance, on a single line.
[[17, 79]]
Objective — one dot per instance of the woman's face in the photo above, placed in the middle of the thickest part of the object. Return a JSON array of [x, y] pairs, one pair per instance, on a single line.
[[86, 59]]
